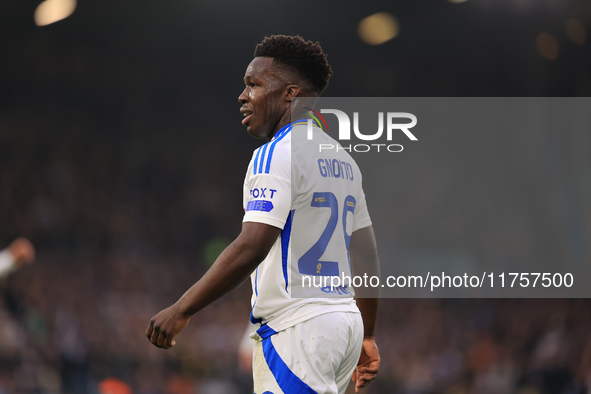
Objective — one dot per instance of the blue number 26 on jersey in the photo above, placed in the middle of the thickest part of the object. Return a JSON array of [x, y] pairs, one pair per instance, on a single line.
[[309, 263]]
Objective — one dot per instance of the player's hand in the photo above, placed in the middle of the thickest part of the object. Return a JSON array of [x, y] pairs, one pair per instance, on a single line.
[[22, 250], [368, 365], [166, 325]]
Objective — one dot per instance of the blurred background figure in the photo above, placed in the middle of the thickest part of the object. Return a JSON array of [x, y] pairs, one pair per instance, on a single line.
[[19, 252], [113, 386], [245, 350]]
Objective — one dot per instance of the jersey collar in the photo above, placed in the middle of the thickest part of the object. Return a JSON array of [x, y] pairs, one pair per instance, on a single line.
[[285, 129]]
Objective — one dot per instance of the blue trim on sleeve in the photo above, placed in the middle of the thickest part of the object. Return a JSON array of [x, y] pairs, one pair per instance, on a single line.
[[270, 156], [286, 379], [285, 236]]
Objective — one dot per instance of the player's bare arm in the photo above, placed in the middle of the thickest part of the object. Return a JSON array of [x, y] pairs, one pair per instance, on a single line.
[[231, 268], [364, 257]]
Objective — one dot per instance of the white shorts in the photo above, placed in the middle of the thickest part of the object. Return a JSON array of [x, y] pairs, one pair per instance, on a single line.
[[317, 356]]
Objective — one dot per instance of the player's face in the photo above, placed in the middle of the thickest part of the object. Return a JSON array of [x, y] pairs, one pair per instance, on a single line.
[[263, 106]]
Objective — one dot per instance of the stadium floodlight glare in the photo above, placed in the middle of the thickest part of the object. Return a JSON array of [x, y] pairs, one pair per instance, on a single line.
[[547, 46], [51, 11], [576, 31], [378, 28]]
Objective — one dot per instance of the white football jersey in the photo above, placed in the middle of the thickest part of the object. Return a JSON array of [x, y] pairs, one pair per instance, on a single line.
[[316, 198]]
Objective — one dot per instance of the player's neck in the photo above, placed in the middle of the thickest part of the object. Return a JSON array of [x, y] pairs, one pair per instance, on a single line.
[[284, 121]]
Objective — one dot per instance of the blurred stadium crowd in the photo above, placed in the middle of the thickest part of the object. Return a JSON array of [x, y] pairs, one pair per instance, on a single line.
[[128, 178], [122, 216], [74, 320]]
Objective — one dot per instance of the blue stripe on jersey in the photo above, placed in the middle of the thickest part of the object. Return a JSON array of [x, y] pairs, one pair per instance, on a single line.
[[281, 131], [262, 158], [285, 235], [254, 320], [256, 159], [256, 293], [287, 380], [256, 275], [265, 331], [273, 148], [279, 135]]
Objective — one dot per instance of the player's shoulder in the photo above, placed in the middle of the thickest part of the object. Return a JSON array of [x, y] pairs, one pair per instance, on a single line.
[[274, 154], [318, 145]]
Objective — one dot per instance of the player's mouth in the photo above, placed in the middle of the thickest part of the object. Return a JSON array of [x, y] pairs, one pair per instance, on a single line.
[[247, 114]]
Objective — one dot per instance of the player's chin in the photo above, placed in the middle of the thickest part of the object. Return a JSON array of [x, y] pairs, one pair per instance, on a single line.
[[254, 131], [251, 130]]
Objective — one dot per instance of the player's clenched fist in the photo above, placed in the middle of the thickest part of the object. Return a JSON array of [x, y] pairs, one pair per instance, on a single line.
[[166, 325]]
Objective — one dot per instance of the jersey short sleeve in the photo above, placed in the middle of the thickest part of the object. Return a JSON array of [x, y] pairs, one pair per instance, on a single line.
[[267, 185], [361, 217]]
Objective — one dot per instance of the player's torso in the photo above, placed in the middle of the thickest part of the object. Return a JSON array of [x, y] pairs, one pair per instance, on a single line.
[[293, 282], [327, 187]]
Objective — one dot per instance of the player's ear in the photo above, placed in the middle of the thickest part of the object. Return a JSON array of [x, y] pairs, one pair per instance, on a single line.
[[291, 91]]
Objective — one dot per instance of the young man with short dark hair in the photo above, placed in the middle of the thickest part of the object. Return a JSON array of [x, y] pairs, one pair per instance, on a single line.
[[298, 221]]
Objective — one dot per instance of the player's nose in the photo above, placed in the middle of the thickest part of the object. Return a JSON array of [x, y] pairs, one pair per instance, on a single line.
[[243, 98]]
